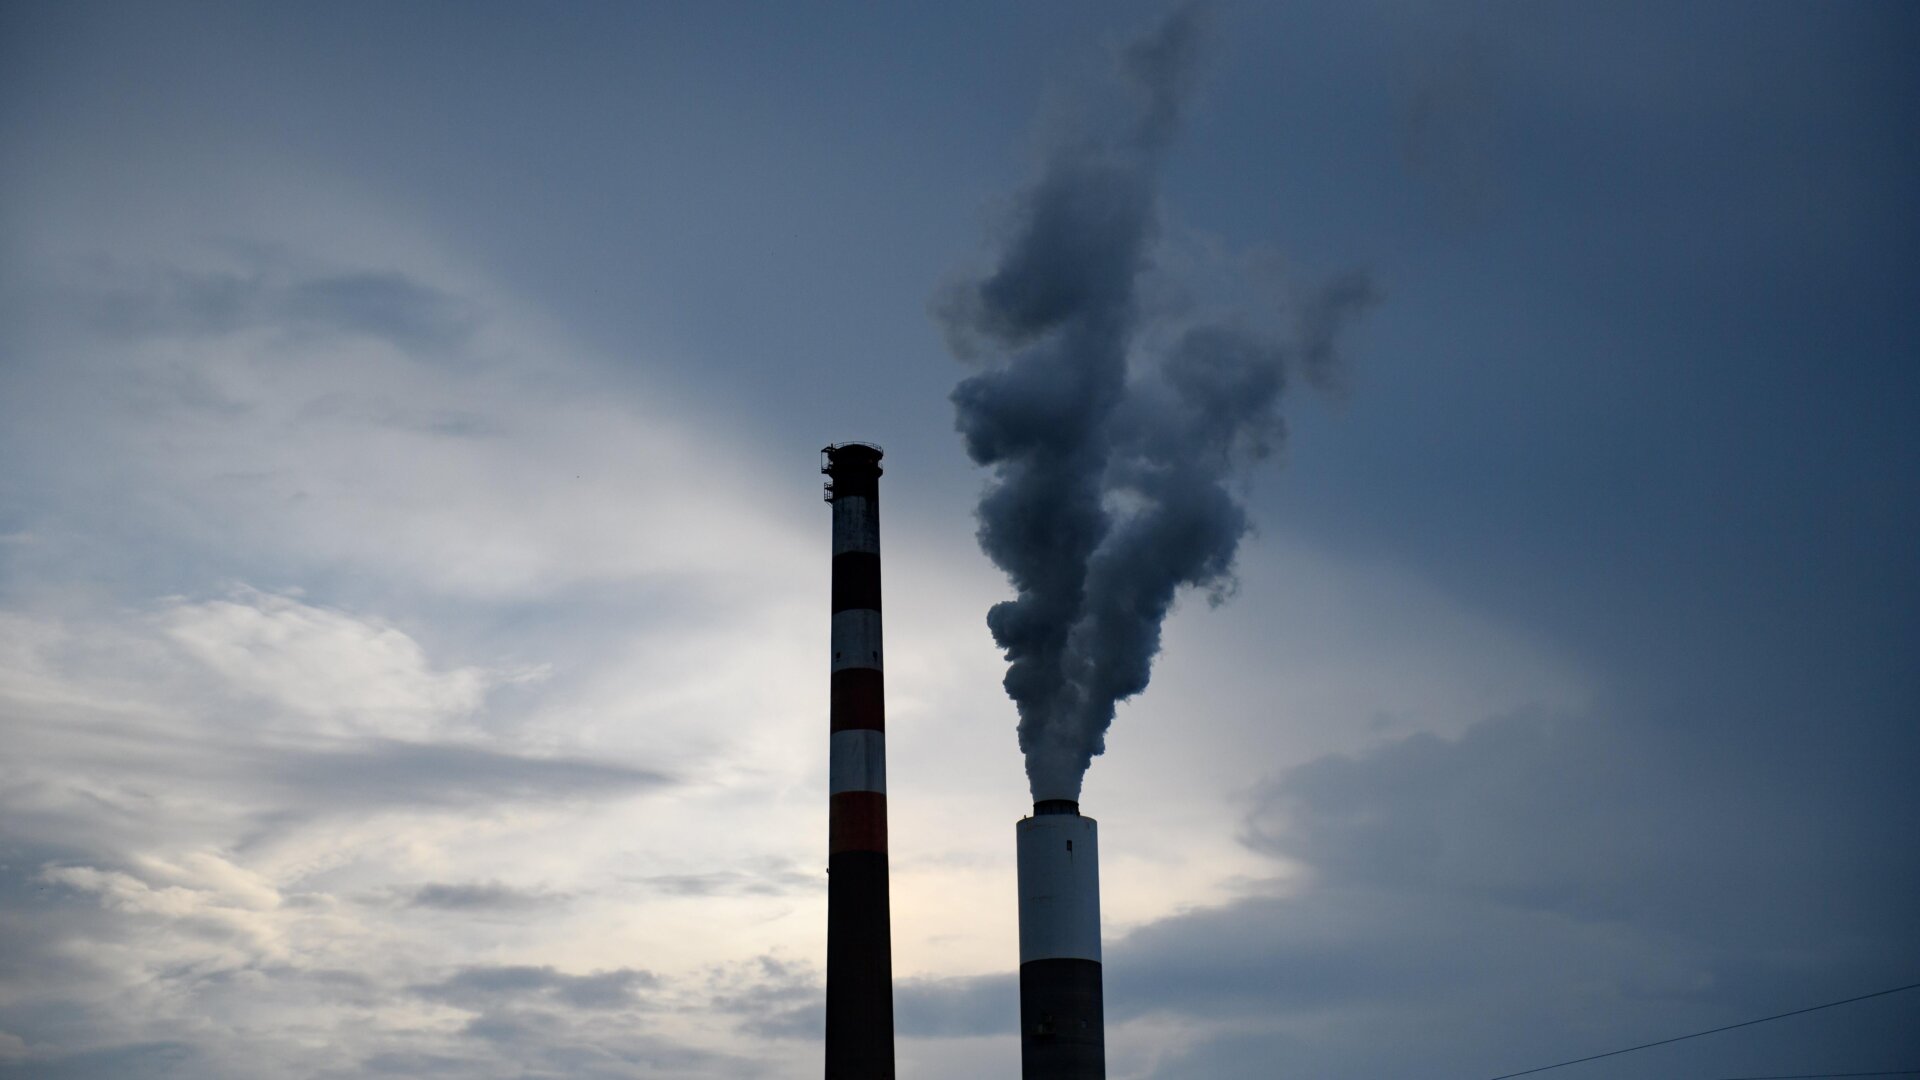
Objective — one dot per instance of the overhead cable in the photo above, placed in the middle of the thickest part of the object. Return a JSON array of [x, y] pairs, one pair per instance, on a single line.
[[1714, 1031]]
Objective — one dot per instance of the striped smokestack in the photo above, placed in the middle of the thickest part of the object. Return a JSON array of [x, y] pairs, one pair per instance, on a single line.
[[859, 935], [1062, 1023]]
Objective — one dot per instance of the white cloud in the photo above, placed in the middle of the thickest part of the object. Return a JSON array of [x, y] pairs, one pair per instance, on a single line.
[[220, 830], [319, 665], [358, 404]]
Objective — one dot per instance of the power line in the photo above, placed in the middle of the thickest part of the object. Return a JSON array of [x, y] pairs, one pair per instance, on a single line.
[[1821, 1076], [1711, 1031]]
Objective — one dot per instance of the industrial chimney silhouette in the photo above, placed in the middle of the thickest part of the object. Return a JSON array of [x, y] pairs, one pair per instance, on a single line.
[[1062, 1016], [859, 934]]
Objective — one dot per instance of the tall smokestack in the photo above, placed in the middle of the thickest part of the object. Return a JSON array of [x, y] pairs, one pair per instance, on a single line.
[[859, 935], [1062, 1023], [1119, 414]]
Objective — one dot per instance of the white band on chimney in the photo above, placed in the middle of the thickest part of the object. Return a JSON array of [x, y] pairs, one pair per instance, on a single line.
[[1059, 873], [856, 639], [855, 526], [859, 762]]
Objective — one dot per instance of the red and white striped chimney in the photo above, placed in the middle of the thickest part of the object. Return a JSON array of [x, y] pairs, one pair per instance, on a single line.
[[859, 935]]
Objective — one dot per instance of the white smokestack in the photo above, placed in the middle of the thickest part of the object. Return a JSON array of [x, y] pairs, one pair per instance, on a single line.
[[1062, 1021]]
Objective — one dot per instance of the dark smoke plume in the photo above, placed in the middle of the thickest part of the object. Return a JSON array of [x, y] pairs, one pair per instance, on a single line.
[[1114, 470]]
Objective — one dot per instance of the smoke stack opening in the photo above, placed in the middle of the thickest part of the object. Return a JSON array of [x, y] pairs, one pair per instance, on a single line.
[[1056, 806]]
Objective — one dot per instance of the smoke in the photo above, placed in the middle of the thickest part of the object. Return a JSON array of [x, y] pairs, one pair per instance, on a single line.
[[1116, 440]]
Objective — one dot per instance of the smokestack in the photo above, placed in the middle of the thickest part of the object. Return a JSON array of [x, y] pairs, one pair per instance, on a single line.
[[1062, 1023], [859, 936]]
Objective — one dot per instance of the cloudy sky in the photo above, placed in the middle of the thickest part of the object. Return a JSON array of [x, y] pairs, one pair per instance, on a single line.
[[413, 575]]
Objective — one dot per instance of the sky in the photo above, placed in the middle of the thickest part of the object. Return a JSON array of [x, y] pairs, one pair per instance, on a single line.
[[414, 578]]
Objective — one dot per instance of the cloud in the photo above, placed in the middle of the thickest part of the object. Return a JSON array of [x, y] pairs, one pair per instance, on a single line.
[[1540, 882], [268, 289], [349, 673], [264, 712], [382, 774], [375, 414], [221, 916], [386, 305], [232, 963], [155, 1059], [201, 796], [945, 1007], [771, 997], [490, 987], [780, 999], [757, 877], [1606, 818], [446, 479], [478, 897], [417, 1064]]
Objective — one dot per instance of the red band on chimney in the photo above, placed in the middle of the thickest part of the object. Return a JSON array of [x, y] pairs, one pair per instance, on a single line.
[[857, 822], [859, 700]]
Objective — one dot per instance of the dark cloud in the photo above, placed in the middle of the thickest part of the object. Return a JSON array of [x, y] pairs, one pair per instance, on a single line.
[[389, 774], [478, 897], [1470, 989], [518, 1026], [386, 305], [772, 998], [271, 791], [1589, 881], [155, 1059], [266, 292], [1610, 819], [333, 985], [532, 1042], [938, 1008], [1540, 887], [782, 999], [759, 877], [546, 1022], [40, 924], [403, 1063], [492, 987]]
